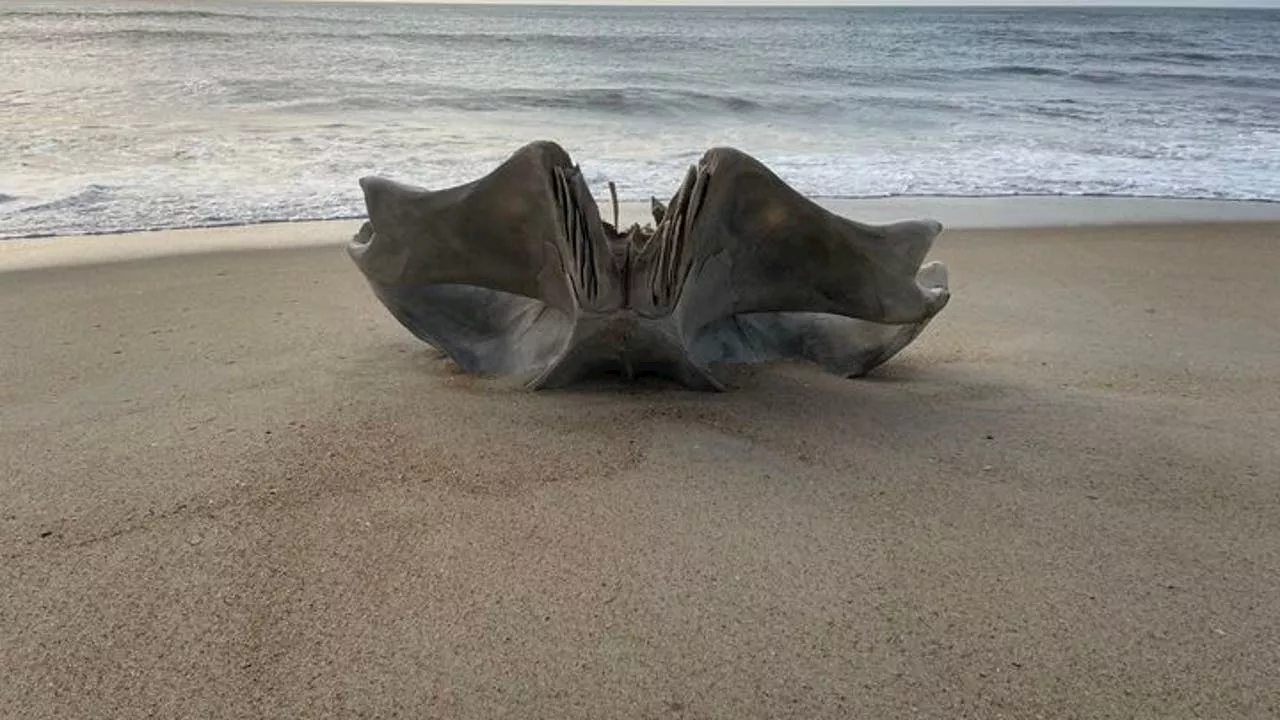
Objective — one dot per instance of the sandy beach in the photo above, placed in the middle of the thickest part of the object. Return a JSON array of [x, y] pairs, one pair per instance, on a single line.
[[232, 486]]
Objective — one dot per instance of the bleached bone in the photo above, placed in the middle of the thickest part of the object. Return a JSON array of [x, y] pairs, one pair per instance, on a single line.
[[516, 274]]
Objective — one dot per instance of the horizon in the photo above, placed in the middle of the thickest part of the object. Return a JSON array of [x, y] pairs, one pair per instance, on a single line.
[[978, 4]]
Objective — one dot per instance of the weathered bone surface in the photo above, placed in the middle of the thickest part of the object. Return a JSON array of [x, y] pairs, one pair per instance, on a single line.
[[516, 274]]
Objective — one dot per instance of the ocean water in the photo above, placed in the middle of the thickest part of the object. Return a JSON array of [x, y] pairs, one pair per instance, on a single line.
[[132, 115]]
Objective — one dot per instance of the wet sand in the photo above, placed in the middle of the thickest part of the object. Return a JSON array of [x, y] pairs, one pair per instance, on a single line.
[[232, 486]]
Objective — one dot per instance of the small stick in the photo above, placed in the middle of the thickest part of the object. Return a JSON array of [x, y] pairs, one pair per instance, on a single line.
[[613, 193]]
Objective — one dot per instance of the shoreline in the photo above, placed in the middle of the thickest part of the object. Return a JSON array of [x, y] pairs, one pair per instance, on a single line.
[[954, 212]]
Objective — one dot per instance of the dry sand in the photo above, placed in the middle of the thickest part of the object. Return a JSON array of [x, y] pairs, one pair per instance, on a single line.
[[232, 486]]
